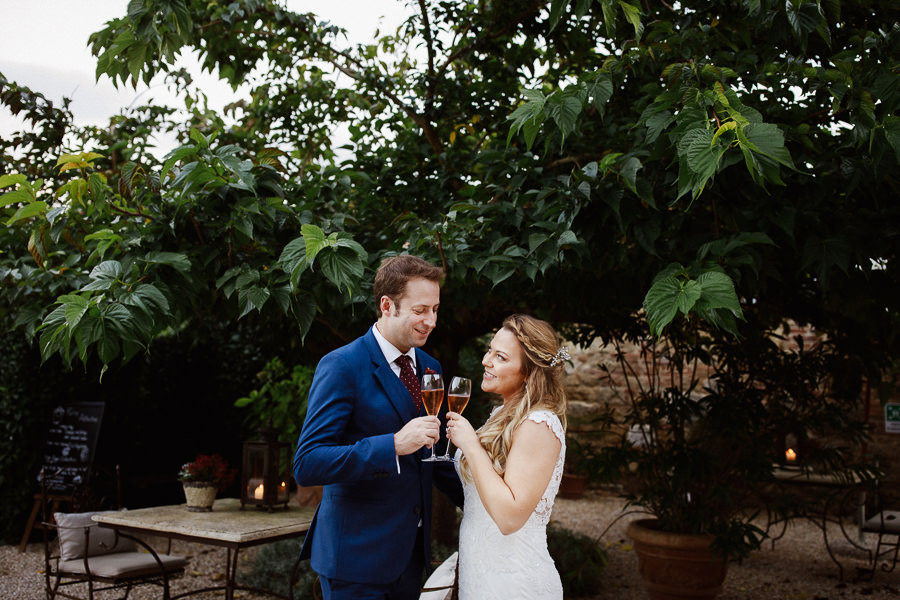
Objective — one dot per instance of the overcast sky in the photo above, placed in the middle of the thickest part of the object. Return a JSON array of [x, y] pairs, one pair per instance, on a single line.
[[44, 47]]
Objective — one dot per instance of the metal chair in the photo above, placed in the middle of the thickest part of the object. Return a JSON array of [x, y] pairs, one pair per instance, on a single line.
[[882, 520], [82, 552]]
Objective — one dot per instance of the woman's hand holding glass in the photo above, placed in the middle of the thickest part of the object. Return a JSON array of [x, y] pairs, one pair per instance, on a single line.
[[461, 432]]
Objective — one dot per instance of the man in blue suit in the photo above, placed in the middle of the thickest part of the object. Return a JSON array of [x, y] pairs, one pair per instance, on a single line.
[[363, 440]]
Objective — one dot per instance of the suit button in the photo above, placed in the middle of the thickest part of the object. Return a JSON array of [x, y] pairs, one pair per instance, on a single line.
[[417, 509]]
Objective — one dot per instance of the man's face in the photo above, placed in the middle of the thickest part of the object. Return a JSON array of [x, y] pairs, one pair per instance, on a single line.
[[407, 323]]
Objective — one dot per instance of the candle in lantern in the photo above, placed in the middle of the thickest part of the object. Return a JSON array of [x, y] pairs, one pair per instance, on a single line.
[[258, 492], [790, 455]]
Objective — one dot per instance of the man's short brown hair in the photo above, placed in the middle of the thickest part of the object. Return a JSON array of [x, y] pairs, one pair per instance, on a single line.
[[395, 271]]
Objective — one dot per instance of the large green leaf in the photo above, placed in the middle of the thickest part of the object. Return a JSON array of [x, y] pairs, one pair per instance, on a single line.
[[176, 260], [28, 211], [109, 269], [892, 133], [303, 307], [717, 291], [767, 139], [688, 296], [314, 241], [11, 179], [343, 267], [293, 259], [151, 295], [702, 156], [557, 7], [75, 308], [633, 15], [661, 303], [19, 195], [252, 298]]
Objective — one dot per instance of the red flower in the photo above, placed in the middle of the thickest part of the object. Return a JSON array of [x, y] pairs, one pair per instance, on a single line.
[[208, 468]]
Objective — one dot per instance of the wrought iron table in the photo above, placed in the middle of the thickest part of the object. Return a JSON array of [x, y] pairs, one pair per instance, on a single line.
[[835, 489], [226, 526]]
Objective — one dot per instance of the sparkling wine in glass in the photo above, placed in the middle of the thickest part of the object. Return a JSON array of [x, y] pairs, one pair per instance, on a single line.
[[457, 398], [432, 397]]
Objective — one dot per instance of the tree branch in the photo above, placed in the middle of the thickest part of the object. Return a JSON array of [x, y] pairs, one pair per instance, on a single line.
[[331, 328], [420, 120], [429, 43], [489, 35], [197, 228], [441, 251]]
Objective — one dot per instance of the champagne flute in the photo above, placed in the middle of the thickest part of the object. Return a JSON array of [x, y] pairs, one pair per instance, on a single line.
[[432, 398], [457, 398]]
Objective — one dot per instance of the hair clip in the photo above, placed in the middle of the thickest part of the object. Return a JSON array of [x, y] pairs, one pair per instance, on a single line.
[[561, 355]]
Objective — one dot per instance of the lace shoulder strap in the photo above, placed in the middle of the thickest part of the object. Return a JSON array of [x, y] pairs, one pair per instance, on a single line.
[[552, 421]]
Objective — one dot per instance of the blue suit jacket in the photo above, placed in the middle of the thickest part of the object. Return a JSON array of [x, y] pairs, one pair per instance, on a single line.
[[366, 525]]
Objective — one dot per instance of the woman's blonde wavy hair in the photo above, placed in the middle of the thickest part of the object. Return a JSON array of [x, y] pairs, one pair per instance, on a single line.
[[543, 389]]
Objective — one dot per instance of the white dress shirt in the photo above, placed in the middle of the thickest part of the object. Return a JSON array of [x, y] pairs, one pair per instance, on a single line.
[[391, 353]]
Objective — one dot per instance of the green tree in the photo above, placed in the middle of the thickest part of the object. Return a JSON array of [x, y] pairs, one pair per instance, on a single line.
[[563, 158]]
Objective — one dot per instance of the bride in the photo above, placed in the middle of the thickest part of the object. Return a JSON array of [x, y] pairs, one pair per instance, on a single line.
[[512, 466]]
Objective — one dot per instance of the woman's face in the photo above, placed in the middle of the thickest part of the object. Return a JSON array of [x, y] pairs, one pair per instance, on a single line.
[[503, 372]]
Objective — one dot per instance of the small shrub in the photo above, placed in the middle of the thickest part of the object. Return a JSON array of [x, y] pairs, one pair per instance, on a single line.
[[579, 560], [272, 567]]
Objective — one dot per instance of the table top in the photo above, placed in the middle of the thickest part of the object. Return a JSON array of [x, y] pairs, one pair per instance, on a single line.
[[798, 475], [226, 523]]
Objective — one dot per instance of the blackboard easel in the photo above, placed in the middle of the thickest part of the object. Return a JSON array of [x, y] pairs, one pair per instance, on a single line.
[[68, 456]]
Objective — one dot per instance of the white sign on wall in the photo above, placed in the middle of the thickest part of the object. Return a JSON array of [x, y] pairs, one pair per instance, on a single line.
[[892, 417]]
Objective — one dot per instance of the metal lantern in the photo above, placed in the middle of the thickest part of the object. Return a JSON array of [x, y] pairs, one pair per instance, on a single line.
[[266, 473]]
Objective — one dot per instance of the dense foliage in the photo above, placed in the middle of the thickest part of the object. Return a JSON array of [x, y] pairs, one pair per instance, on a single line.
[[279, 403], [756, 140]]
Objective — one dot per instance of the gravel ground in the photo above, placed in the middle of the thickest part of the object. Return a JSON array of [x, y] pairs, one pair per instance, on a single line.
[[798, 568]]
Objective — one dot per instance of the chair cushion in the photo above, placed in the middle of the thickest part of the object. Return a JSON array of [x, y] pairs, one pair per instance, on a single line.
[[102, 540], [123, 564], [887, 521], [442, 577]]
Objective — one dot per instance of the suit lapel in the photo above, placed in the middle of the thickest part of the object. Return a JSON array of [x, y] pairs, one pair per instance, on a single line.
[[393, 388]]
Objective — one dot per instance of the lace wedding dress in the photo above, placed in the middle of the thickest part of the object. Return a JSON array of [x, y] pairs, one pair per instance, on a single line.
[[515, 566]]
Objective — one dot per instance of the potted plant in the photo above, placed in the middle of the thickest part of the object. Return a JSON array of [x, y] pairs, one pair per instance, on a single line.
[[700, 422], [202, 479], [282, 399], [581, 462]]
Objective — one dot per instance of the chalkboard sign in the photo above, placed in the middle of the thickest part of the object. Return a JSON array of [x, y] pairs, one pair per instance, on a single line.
[[69, 447]]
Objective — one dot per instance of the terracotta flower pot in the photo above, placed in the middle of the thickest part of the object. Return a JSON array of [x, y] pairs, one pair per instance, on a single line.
[[676, 566], [199, 495]]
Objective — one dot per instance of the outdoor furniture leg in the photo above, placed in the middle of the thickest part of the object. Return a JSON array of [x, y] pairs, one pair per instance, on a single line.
[[230, 573], [861, 516], [293, 579], [830, 552], [31, 519], [894, 561]]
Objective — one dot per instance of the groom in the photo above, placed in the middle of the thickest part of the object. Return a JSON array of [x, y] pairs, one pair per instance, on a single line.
[[362, 439]]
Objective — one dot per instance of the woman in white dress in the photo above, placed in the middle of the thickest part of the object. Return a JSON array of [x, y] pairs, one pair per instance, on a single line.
[[512, 466]]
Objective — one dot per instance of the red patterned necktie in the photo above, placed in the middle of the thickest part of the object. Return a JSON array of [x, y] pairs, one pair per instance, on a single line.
[[409, 379]]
